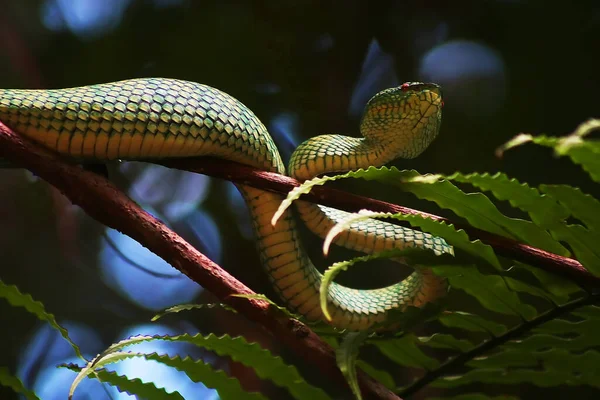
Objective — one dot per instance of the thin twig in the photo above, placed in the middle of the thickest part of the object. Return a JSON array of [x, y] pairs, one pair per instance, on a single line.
[[107, 204]]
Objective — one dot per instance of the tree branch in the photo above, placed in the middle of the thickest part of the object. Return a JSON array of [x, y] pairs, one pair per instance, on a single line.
[[510, 248], [107, 204]]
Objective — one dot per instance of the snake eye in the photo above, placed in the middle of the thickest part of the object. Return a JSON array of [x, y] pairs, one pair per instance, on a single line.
[[417, 86]]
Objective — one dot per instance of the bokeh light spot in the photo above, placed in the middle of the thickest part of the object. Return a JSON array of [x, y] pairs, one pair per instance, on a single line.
[[164, 288], [377, 74], [472, 76]]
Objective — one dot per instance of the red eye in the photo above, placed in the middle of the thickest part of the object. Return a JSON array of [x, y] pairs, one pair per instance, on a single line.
[[404, 87]]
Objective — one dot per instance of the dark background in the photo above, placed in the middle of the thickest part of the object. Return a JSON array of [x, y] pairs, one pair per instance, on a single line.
[[305, 68]]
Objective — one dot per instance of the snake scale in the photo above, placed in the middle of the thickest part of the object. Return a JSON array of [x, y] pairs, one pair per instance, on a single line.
[[156, 118]]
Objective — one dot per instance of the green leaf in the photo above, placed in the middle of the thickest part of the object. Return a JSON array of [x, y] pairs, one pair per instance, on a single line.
[[17, 299], [98, 362], [346, 355], [520, 286], [518, 140], [229, 388], [445, 341], [585, 327], [546, 212], [540, 368], [580, 205], [274, 306], [471, 322], [9, 380], [584, 244], [456, 238], [404, 351], [266, 365], [501, 376], [380, 375], [559, 289], [197, 370], [542, 342], [476, 208], [562, 333], [490, 290], [134, 387], [585, 154], [582, 152], [503, 358], [331, 340], [186, 307], [255, 296], [591, 312], [543, 210]]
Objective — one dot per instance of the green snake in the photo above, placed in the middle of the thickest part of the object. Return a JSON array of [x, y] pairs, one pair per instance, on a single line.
[[157, 118]]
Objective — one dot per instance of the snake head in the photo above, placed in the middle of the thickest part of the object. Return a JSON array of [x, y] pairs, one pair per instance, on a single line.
[[404, 120]]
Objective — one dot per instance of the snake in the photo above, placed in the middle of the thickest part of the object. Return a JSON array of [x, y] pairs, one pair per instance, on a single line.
[[157, 118]]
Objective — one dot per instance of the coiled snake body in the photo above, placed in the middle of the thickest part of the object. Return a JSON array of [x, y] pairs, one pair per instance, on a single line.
[[159, 118]]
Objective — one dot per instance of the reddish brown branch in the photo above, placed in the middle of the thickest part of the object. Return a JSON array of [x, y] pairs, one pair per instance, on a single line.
[[506, 247], [107, 204]]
